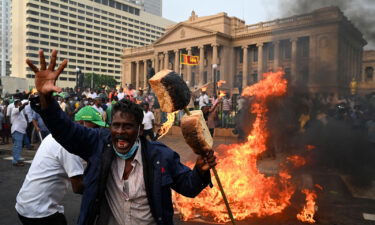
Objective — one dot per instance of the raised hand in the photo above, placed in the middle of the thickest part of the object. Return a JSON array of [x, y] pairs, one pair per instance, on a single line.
[[45, 78]]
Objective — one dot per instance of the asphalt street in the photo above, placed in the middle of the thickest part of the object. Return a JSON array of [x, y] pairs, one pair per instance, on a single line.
[[337, 203]]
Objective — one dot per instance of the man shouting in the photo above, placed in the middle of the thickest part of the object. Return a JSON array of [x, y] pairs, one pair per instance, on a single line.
[[128, 179]]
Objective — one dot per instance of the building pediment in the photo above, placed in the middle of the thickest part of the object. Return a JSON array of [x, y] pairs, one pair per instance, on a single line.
[[182, 32]]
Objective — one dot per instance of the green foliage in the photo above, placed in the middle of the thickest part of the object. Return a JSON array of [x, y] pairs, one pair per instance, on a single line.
[[99, 81]]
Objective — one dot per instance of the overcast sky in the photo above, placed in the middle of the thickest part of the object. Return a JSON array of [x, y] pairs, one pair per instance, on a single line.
[[253, 11]]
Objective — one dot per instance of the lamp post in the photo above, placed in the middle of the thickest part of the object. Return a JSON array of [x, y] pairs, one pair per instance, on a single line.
[[214, 67], [77, 76]]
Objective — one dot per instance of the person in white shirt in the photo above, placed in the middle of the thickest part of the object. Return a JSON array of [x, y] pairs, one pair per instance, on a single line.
[[98, 107], [40, 197], [203, 100], [18, 131], [39, 200], [148, 122], [121, 94], [9, 110]]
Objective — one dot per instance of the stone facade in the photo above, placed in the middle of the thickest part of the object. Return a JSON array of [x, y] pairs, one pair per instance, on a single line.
[[319, 52], [366, 82]]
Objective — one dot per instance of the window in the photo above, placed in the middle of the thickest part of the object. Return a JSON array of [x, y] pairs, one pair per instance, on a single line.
[[369, 72]]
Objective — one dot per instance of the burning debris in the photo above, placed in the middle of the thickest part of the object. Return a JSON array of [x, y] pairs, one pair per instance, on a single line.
[[308, 211], [250, 193]]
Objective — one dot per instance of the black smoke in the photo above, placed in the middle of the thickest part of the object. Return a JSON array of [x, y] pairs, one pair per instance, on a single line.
[[359, 12]]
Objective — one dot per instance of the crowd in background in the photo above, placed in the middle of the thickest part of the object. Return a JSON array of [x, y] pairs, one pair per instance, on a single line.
[[289, 116]]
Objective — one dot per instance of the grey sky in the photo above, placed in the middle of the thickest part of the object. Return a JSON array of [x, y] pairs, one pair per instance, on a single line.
[[253, 11]]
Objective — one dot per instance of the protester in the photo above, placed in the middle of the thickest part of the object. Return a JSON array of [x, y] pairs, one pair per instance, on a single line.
[[121, 161], [212, 116], [148, 122], [39, 125], [98, 107], [227, 107], [203, 99], [5, 131], [39, 200], [18, 130]]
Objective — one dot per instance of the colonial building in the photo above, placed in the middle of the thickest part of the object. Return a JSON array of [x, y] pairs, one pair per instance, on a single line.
[[366, 83], [320, 51]]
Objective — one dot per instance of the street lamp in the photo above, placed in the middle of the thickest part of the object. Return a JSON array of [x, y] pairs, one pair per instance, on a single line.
[[77, 76], [214, 67]]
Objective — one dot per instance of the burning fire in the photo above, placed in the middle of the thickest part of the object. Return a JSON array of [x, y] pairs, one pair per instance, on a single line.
[[166, 125], [222, 93], [221, 82], [308, 211], [249, 192]]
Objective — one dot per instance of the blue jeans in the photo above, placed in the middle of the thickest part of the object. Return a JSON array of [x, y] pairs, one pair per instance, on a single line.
[[26, 141], [17, 145]]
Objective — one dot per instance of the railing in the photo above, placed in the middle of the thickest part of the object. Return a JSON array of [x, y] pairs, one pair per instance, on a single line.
[[289, 21]]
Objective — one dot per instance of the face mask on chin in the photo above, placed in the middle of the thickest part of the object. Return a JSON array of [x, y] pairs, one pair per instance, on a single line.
[[132, 150]]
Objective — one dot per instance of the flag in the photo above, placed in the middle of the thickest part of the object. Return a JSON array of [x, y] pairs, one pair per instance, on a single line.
[[189, 59]]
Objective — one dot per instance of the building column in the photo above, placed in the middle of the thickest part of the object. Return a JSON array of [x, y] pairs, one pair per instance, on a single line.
[[214, 59], [312, 59], [244, 66], [188, 78], [156, 64], [145, 74], [293, 67], [177, 61], [276, 56], [161, 58], [166, 60], [137, 75], [201, 65], [260, 61]]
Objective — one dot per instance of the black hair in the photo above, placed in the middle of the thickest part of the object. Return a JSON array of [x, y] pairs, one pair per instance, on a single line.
[[126, 106]]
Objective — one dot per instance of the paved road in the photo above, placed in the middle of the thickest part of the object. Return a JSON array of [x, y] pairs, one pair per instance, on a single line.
[[337, 206]]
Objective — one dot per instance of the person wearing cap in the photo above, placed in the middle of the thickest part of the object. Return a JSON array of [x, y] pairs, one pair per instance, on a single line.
[[39, 200], [18, 130], [129, 180]]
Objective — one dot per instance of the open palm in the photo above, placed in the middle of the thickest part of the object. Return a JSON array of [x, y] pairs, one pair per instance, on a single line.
[[45, 78]]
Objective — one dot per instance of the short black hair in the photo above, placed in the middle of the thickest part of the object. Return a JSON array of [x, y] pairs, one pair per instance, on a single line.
[[126, 106]]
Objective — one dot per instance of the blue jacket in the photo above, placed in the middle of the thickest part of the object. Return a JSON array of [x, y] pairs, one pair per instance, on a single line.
[[162, 168]]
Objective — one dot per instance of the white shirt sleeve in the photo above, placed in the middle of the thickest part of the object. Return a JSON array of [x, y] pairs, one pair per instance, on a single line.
[[71, 163], [152, 116]]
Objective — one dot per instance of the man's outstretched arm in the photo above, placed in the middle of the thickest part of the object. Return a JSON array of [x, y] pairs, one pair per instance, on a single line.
[[73, 137]]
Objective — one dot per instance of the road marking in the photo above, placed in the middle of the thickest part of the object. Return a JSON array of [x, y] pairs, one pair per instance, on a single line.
[[28, 161], [368, 216], [11, 158]]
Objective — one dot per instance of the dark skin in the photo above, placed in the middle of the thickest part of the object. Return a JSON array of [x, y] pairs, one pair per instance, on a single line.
[[45, 83]]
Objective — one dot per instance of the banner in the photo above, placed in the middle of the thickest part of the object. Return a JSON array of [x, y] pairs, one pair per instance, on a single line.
[[189, 59]]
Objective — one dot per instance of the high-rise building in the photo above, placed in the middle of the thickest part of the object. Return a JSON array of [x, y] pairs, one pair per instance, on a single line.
[[91, 34], [5, 51], [153, 6]]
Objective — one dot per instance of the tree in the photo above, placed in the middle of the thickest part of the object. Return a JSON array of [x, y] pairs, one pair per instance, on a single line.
[[99, 81]]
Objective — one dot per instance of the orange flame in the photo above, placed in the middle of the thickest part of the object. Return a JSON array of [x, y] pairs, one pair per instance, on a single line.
[[222, 93], [249, 192], [296, 160], [204, 88], [308, 211], [166, 125], [221, 82], [310, 147]]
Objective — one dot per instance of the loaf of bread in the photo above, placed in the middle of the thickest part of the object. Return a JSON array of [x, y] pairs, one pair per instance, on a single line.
[[196, 133], [171, 90]]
